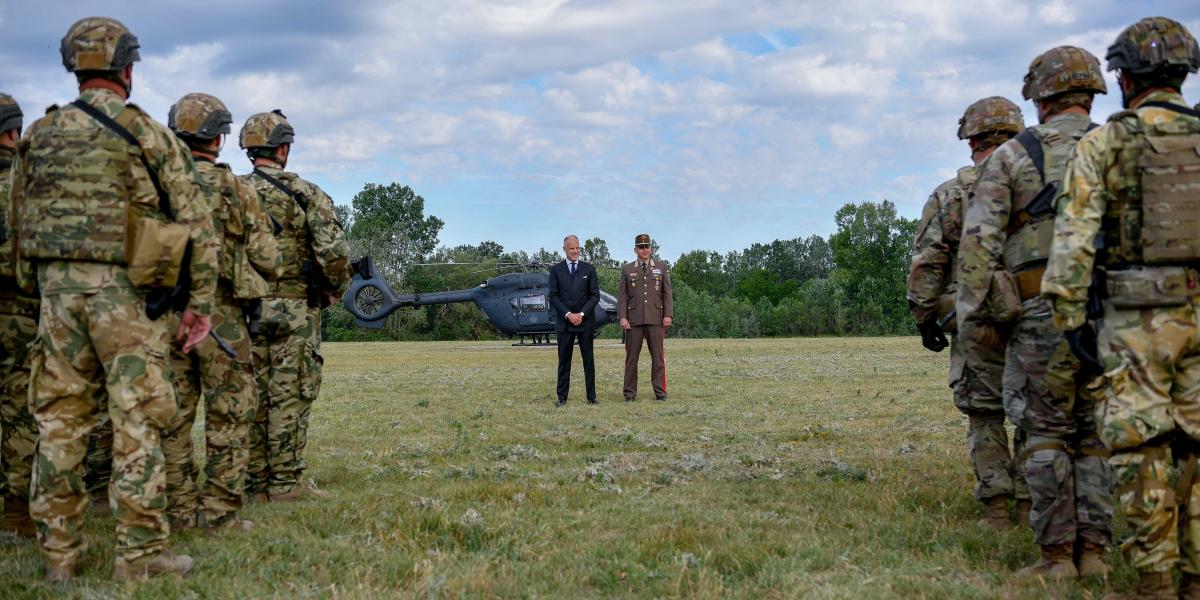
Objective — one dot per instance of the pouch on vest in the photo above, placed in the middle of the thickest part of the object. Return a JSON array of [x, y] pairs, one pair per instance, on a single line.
[[1153, 287], [1003, 302], [248, 284], [1170, 175], [157, 256]]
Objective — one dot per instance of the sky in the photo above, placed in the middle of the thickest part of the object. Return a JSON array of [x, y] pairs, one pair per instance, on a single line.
[[710, 124]]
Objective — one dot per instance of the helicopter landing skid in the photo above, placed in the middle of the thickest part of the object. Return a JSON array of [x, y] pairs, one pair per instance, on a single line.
[[539, 339]]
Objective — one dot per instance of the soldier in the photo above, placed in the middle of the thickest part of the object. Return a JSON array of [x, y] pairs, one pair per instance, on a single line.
[[646, 320], [1006, 239], [101, 192], [18, 328], [975, 377], [1127, 229], [287, 355], [219, 367]]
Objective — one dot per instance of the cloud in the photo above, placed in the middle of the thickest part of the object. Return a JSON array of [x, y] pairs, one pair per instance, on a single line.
[[703, 116]]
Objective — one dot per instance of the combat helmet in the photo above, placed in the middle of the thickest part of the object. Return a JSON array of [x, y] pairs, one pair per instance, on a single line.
[[1061, 70], [199, 116], [1152, 45], [266, 130], [98, 44], [10, 114], [993, 114]]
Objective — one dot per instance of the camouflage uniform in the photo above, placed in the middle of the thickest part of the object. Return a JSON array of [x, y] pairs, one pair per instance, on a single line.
[[287, 353], [974, 377], [1149, 337], [18, 328], [1008, 229], [93, 329], [227, 382]]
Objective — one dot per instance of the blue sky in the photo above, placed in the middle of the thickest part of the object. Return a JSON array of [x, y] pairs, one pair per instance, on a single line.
[[709, 123]]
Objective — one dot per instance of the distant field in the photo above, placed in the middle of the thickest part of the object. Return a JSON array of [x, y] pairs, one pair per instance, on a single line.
[[823, 468]]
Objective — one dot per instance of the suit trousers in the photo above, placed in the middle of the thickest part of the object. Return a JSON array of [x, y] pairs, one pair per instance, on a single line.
[[653, 334], [566, 348]]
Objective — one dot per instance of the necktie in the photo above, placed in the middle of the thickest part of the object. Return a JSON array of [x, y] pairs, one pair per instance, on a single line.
[[643, 269], [572, 269]]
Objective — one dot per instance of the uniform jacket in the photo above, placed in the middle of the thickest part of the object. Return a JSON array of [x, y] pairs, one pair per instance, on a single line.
[[1008, 179], [935, 245], [645, 299], [1100, 169], [579, 293]]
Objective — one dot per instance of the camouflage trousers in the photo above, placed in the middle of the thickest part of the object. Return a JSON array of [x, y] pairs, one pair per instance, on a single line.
[[1152, 357], [230, 395], [287, 366], [1070, 482], [97, 465], [975, 376], [87, 342], [18, 431]]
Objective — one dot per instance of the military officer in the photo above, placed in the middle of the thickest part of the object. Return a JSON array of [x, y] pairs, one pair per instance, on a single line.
[[975, 376], [287, 354], [219, 367], [18, 328], [645, 305], [102, 192], [1127, 229], [1006, 239]]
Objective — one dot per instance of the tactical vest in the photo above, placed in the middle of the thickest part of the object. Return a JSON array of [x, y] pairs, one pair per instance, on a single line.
[[227, 214], [8, 258], [287, 207], [79, 188], [1153, 216], [1031, 222]]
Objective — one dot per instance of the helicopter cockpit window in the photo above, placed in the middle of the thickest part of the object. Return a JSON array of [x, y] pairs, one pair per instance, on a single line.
[[528, 304]]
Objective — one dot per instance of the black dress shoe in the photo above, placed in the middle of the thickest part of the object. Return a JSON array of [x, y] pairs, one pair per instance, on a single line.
[[593, 401], [629, 399], [560, 403]]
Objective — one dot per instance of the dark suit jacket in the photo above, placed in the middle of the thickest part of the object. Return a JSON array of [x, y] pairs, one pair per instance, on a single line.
[[580, 293]]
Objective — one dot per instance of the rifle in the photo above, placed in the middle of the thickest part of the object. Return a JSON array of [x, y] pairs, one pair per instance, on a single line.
[[222, 344]]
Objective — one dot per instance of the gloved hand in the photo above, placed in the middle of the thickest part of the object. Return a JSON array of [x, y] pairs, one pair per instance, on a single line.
[[932, 336], [1083, 345]]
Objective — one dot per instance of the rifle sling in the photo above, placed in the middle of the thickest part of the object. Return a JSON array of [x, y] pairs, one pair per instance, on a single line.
[[283, 188], [164, 202]]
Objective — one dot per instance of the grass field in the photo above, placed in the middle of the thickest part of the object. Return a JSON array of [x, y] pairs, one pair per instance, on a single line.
[[823, 468]]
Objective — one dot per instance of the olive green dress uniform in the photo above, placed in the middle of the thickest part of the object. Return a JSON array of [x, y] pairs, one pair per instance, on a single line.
[[644, 298]]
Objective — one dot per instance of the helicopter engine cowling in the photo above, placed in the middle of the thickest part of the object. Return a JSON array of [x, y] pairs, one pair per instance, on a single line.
[[370, 299]]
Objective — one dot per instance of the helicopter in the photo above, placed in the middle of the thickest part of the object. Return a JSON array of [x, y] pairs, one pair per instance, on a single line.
[[514, 303]]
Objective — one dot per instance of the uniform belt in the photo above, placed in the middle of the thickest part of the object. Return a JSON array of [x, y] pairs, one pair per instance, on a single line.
[[1029, 283]]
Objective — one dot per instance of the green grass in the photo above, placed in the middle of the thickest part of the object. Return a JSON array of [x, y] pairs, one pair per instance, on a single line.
[[823, 468]]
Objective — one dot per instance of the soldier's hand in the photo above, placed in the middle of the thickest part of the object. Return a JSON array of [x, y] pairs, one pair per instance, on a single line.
[[625, 324], [666, 321], [1082, 341], [193, 328], [932, 336]]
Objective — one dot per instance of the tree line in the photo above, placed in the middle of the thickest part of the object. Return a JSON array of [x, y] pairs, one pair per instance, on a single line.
[[851, 283]]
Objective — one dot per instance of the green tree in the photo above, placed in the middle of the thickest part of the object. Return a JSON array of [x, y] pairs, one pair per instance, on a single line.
[[389, 223], [595, 251], [872, 250]]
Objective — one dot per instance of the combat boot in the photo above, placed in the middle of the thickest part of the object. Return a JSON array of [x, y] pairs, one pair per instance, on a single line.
[[1022, 510], [995, 513], [1091, 561], [60, 573], [257, 498], [17, 519], [1189, 587], [236, 524], [1057, 562], [163, 563], [300, 492], [1149, 586]]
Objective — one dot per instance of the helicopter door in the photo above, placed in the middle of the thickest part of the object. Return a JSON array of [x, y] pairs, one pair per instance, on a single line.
[[531, 310]]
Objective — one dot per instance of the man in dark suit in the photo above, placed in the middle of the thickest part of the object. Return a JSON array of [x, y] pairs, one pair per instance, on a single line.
[[574, 293]]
